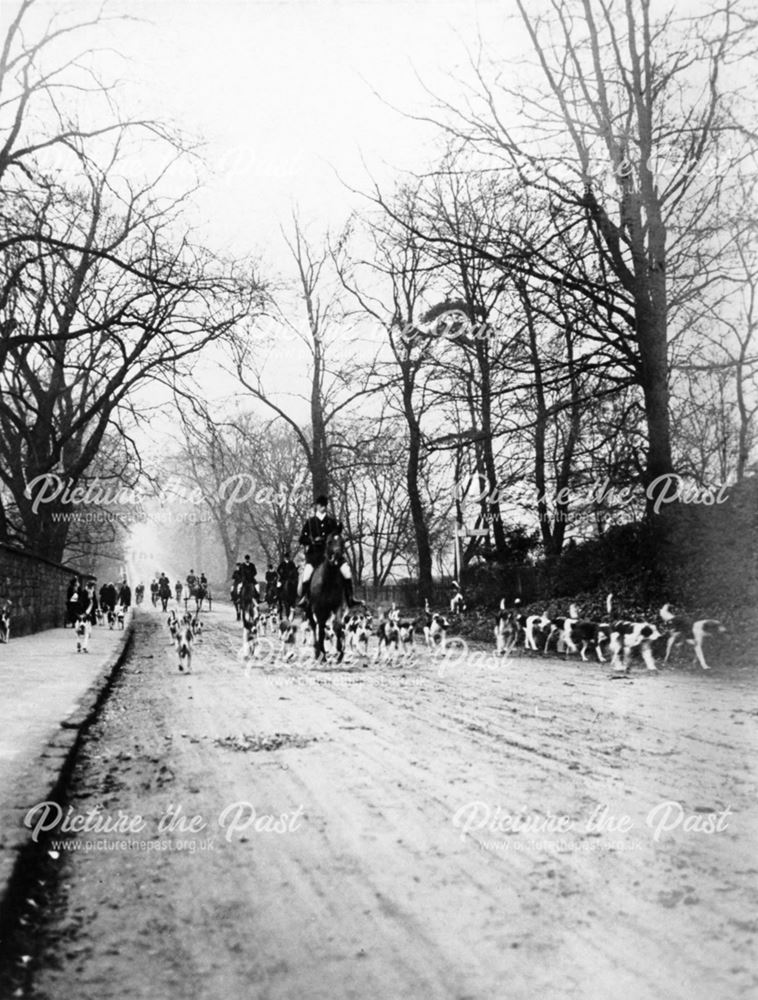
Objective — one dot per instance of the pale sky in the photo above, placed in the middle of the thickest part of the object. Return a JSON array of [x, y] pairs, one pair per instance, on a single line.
[[292, 99], [284, 94]]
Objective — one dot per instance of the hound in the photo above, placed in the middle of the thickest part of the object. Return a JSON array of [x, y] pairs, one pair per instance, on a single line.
[[586, 632], [250, 625], [680, 627], [629, 635], [506, 630], [626, 636], [287, 638], [5, 624], [435, 628], [358, 628], [388, 634], [83, 632], [406, 631], [183, 640], [457, 604]]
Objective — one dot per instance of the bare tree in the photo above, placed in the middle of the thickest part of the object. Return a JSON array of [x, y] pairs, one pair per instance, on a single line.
[[329, 378], [389, 288], [619, 92], [89, 334]]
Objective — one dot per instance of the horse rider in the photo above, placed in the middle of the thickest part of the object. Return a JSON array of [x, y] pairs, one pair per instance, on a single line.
[[315, 532], [286, 571], [191, 581], [249, 576]]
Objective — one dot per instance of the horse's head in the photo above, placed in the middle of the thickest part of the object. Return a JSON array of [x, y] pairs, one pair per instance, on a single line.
[[335, 548]]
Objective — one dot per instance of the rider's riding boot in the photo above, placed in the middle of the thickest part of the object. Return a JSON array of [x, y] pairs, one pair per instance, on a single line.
[[305, 599], [351, 601]]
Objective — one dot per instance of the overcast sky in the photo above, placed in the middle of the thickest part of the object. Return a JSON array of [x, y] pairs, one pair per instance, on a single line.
[[285, 93]]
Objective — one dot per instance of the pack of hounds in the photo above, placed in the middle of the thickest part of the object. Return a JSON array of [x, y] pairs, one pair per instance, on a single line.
[[620, 636], [396, 636]]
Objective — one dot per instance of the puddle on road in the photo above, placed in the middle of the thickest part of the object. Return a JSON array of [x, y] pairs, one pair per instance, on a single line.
[[263, 742]]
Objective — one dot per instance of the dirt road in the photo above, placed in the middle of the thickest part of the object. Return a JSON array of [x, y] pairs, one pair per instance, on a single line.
[[457, 828]]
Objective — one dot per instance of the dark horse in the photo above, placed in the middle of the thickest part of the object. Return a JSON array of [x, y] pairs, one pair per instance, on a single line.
[[201, 592], [328, 596], [246, 601], [287, 596]]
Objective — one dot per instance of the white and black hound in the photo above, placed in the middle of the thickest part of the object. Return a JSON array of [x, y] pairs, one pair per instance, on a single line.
[[585, 632], [83, 632], [457, 605], [629, 635], [388, 635], [435, 628], [406, 630], [250, 632], [184, 638], [5, 624], [287, 638], [681, 628], [507, 626], [358, 628]]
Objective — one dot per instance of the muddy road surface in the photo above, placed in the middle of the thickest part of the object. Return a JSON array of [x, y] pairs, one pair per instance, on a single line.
[[458, 827]]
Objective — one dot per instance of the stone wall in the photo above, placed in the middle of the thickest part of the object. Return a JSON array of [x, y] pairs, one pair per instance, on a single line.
[[35, 590]]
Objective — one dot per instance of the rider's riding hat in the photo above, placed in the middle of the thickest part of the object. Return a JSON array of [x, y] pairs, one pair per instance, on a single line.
[[322, 500]]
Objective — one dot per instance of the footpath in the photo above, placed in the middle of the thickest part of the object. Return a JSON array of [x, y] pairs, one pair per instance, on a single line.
[[48, 693]]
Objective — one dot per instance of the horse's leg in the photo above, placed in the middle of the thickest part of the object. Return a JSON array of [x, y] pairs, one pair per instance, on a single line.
[[339, 633]]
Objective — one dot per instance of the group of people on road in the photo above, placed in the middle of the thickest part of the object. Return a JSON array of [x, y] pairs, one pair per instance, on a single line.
[[83, 599]]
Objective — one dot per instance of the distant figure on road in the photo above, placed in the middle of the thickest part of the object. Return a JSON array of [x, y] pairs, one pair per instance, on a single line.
[[88, 603], [72, 602], [108, 597], [164, 591], [125, 596]]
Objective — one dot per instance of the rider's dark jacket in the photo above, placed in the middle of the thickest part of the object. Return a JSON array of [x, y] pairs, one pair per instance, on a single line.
[[249, 572], [314, 535]]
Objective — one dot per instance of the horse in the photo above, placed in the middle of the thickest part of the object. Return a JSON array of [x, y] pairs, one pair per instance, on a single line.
[[200, 591], [328, 597], [287, 597], [246, 601], [235, 593]]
